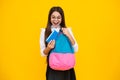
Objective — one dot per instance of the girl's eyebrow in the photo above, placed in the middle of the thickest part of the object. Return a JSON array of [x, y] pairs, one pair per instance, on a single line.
[[54, 15]]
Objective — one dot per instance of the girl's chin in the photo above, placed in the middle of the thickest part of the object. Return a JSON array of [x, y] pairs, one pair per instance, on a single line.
[[55, 25]]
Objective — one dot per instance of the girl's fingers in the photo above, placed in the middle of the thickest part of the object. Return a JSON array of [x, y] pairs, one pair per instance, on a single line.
[[63, 29], [51, 43]]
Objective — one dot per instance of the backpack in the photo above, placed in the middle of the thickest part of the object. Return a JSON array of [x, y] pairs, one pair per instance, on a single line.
[[62, 55]]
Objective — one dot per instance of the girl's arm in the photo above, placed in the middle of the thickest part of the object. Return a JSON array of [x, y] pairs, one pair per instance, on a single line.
[[43, 49], [42, 43], [69, 34], [50, 46]]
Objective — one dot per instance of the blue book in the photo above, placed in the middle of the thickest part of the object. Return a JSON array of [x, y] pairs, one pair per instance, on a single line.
[[52, 36]]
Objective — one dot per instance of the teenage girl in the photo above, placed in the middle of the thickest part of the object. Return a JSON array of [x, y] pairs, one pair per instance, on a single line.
[[56, 21]]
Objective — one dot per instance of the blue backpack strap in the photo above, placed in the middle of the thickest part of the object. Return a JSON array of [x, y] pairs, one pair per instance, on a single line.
[[63, 44]]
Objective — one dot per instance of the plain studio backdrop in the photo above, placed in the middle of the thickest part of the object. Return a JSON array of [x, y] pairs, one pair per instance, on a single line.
[[95, 25]]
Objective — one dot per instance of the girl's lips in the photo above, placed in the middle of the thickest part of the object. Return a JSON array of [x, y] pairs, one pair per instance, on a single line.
[[55, 23]]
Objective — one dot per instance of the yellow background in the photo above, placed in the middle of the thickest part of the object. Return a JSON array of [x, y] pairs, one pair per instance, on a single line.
[[96, 27]]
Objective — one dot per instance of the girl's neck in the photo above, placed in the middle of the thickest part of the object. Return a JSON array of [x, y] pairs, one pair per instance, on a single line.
[[55, 28]]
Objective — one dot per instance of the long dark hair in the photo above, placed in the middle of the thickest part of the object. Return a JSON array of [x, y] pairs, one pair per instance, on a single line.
[[62, 24]]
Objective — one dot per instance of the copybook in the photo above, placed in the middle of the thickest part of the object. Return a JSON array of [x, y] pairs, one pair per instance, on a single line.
[[52, 36]]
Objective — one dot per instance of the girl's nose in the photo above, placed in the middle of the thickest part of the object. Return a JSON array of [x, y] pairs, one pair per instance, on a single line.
[[56, 19]]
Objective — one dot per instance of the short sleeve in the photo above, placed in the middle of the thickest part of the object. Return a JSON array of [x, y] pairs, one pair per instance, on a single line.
[[75, 46], [42, 43]]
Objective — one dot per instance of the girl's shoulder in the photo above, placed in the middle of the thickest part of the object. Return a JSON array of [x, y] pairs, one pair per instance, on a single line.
[[42, 30], [69, 29]]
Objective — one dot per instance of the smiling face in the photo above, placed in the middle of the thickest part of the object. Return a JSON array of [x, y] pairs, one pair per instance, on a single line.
[[56, 19]]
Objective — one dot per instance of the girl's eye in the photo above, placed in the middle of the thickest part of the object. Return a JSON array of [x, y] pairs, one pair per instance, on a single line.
[[53, 17], [59, 17]]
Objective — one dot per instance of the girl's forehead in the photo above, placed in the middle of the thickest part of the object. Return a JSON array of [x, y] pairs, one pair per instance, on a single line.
[[55, 13]]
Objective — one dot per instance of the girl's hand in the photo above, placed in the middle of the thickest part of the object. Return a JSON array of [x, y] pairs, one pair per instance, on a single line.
[[51, 44], [66, 32]]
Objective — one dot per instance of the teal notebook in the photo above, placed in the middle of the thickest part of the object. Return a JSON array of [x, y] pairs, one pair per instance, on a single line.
[[52, 36]]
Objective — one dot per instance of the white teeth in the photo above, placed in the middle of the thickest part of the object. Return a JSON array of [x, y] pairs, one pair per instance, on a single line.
[[55, 23]]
